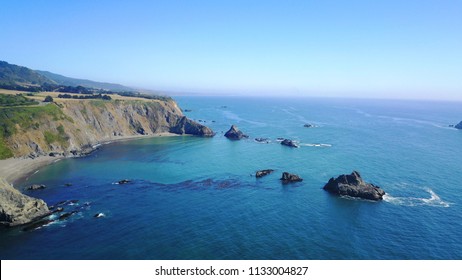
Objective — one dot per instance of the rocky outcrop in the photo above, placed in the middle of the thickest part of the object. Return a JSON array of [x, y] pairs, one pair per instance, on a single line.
[[187, 126], [264, 172], [459, 125], [17, 208], [290, 178], [235, 134], [353, 185], [289, 143]]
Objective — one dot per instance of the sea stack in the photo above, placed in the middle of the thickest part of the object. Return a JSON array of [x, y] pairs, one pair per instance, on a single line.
[[18, 209], [353, 185], [235, 134], [459, 125]]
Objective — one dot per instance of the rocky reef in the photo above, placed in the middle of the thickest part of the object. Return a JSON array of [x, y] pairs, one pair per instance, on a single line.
[[18, 209], [235, 134], [353, 185]]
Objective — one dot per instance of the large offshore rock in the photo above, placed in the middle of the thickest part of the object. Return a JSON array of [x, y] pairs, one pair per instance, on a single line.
[[353, 185]]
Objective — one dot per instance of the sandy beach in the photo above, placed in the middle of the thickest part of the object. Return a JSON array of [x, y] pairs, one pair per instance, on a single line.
[[13, 169]]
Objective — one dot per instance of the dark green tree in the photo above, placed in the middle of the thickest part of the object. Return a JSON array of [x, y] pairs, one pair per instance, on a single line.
[[48, 99]]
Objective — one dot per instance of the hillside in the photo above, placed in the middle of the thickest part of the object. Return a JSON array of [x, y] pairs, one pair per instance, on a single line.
[[66, 81], [16, 77], [11, 74]]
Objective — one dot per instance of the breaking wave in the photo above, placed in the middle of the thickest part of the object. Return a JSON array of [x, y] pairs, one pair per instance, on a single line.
[[434, 200]]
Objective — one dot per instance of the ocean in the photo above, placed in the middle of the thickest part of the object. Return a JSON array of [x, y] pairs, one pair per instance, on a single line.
[[198, 198]]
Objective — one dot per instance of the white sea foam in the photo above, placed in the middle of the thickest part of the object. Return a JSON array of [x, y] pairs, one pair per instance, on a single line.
[[315, 145], [232, 116], [434, 200]]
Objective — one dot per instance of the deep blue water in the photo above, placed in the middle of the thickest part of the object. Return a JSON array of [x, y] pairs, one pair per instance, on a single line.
[[194, 198]]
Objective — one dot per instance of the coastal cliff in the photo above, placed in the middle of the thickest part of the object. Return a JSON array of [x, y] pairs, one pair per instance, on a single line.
[[69, 127]]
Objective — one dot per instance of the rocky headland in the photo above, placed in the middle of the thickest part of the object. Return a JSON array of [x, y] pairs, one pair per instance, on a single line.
[[18, 209], [354, 186]]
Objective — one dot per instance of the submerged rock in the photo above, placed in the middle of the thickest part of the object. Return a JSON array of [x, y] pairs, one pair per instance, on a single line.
[[17, 208], [289, 143], [309, 125], [65, 216], [235, 134], [459, 125], [353, 185], [290, 178], [262, 140], [37, 225], [264, 172]]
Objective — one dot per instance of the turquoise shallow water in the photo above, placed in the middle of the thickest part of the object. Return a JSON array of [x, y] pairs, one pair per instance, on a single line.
[[194, 198]]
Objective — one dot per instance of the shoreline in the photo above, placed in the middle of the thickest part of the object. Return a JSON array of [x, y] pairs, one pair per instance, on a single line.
[[16, 169]]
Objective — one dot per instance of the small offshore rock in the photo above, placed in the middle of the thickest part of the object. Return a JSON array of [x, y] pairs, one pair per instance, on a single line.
[[353, 185], [36, 187], [290, 178], [124, 181], [264, 172], [309, 125], [235, 134], [289, 143]]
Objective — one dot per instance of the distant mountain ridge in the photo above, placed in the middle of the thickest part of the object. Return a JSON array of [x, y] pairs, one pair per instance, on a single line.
[[67, 81], [11, 74], [15, 75]]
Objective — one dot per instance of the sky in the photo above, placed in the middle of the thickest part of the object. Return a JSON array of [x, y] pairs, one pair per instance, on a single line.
[[376, 49]]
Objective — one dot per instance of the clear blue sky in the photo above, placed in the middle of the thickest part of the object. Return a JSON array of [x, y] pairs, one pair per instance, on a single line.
[[410, 49]]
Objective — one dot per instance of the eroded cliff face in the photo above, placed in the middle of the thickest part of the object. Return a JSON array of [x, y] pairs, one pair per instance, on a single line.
[[77, 125]]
